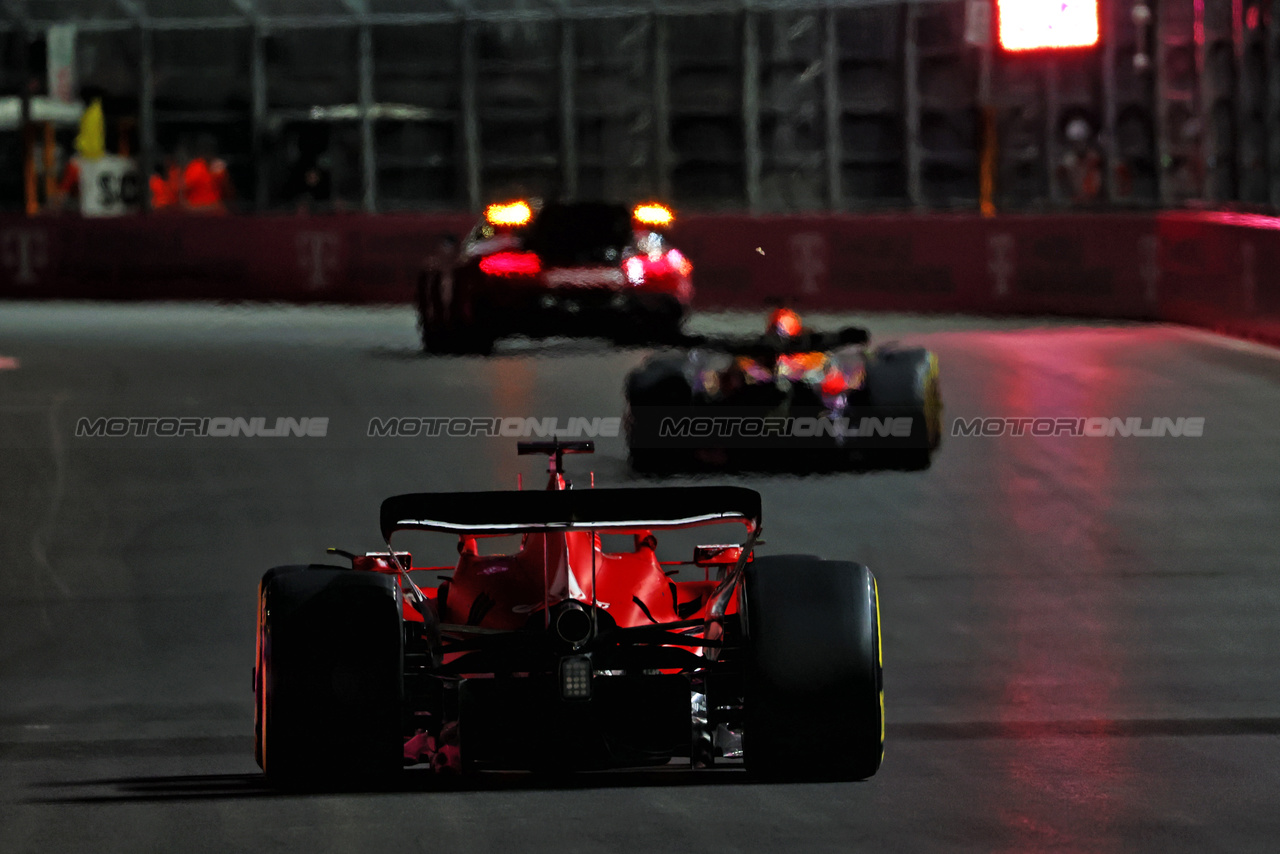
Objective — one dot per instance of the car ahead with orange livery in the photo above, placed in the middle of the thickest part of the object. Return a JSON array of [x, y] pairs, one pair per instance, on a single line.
[[793, 398], [577, 649], [578, 269]]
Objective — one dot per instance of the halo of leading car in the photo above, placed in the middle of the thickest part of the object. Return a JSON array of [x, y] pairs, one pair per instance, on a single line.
[[565, 655], [579, 269]]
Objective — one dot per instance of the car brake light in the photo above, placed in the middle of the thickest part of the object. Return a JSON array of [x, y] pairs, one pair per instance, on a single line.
[[511, 264], [509, 214], [653, 215]]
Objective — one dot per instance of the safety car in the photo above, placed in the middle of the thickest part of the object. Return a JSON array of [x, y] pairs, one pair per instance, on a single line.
[[539, 269]]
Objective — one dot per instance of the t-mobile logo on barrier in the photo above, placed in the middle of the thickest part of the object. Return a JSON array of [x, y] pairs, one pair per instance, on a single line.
[[25, 251], [1249, 277], [1149, 266], [809, 259], [1000, 262], [318, 256]]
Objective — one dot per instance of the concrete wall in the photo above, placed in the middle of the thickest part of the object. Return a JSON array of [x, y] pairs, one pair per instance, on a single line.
[[1216, 270]]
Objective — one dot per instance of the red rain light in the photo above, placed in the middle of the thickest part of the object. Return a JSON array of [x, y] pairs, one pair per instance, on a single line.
[[1047, 24], [834, 383], [511, 264]]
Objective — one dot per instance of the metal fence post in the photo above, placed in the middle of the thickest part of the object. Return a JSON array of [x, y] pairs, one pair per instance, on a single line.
[[470, 119], [368, 154], [1273, 106], [751, 107], [1052, 104], [258, 82], [911, 101], [1110, 149], [831, 106], [568, 111], [661, 108], [146, 110]]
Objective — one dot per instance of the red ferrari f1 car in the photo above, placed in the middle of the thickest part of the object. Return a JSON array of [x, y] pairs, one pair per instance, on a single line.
[[564, 655], [580, 269]]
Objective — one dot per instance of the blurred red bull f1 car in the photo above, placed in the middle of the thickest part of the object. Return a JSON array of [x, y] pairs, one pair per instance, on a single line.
[[564, 655], [579, 269], [793, 398]]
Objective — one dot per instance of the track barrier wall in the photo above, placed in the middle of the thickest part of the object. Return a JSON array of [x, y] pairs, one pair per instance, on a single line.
[[1211, 269]]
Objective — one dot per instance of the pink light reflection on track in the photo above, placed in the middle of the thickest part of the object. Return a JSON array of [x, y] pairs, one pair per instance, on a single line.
[[8, 363], [510, 394], [1056, 493]]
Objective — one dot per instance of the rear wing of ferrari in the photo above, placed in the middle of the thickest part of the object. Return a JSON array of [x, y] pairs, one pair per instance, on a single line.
[[558, 510]]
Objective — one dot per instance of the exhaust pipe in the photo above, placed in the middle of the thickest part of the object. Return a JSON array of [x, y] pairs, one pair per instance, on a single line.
[[573, 623]]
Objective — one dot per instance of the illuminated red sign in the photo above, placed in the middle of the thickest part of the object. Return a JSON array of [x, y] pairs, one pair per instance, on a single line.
[[1042, 24]]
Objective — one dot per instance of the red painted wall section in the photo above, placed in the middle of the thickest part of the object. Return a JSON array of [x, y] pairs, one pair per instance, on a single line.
[[1218, 270], [1221, 271], [299, 259], [1058, 264]]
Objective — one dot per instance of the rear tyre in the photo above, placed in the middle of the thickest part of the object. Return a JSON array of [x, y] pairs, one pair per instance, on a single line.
[[432, 326], [669, 329], [661, 325], [656, 385], [480, 336], [906, 382], [330, 677], [259, 670], [814, 691], [447, 322]]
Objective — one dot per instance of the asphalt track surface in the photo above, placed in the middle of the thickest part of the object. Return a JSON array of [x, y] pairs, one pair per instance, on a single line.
[[1080, 634]]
